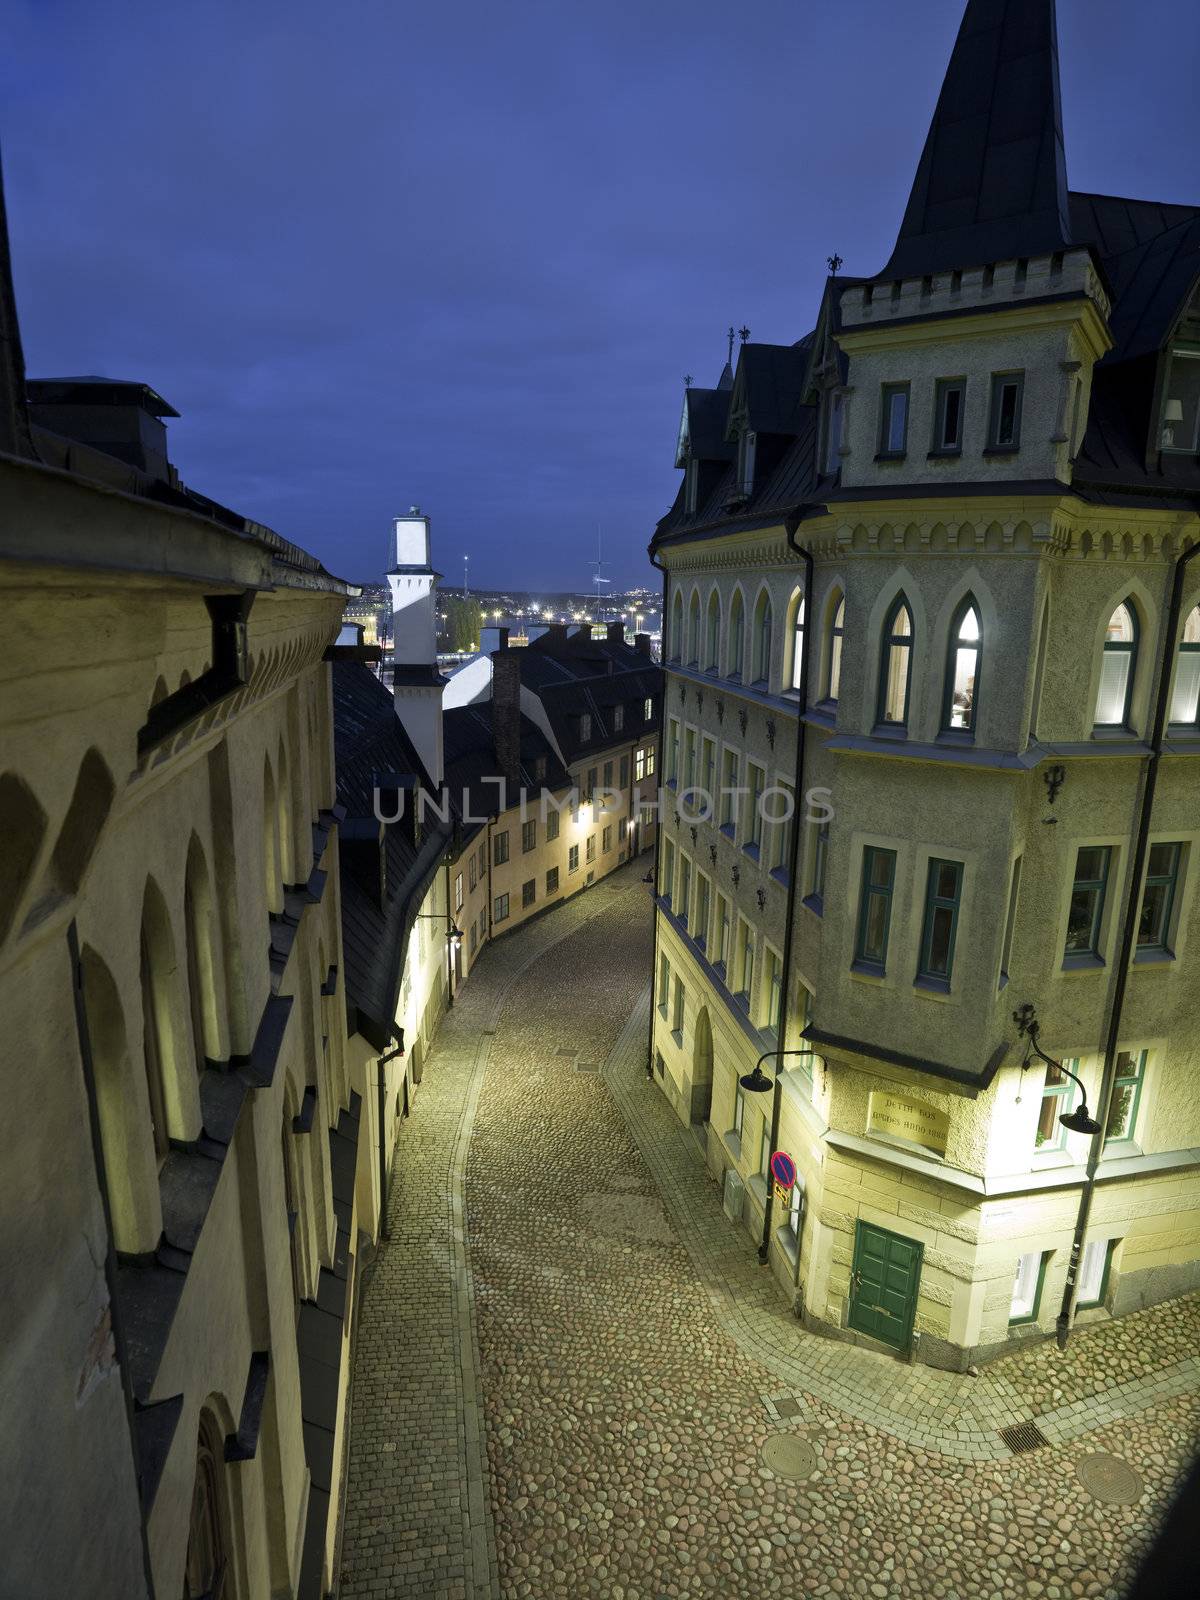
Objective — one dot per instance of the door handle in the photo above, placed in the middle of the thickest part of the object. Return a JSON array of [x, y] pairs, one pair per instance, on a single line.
[[855, 1282]]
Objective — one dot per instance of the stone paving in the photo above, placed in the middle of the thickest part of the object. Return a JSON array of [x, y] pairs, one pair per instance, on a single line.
[[627, 1361]]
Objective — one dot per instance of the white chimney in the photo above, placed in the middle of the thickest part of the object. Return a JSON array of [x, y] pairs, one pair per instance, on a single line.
[[416, 683]]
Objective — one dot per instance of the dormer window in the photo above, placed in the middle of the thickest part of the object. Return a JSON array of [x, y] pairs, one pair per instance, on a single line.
[[585, 727], [618, 718], [747, 443], [1181, 404]]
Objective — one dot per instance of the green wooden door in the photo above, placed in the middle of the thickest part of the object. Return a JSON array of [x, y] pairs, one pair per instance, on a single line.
[[883, 1285]]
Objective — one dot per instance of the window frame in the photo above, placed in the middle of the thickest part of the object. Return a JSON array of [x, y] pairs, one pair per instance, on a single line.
[[1120, 647], [832, 664], [867, 891], [1039, 1282], [498, 915], [1063, 1094], [1099, 887], [1109, 1246], [528, 835], [953, 646], [1162, 946], [1135, 1080], [887, 393], [1000, 381], [942, 389], [500, 848], [1186, 648], [934, 903], [528, 893], [551, 880]]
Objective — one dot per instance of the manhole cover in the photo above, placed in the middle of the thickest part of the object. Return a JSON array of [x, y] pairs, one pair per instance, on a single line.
[[788, 1456], [1110, 1479]]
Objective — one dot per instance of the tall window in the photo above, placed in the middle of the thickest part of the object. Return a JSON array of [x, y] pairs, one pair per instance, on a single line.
[[529, 836], [834, 413], [685, 890], [895, 666], [500, 848], [673, 751], [720, 951], [1093, 1272], [1010, 921], [708, 767], [500, 908], [1085, 918], [677, 628], [943, 892], [798, 642], [1039, 669], [1181, 404], [1185, 699], [664, 985], [205, 1567], [747, 445], [1127, 1092], [552, 826], [155, 1019], [667, 885], [893, 419], [737, 636], [712, 632], [755, 782], [1058, 1094], [700, 922], [962, 670], [1117, 668], [729, 787], [772, 999], [762, 640], [820, 856], [1027, 1287], [739, 1110], [693, 646], [1004, 427], [833, 653], [875, 907], [689, 759], [948, 416], [677, 1012], [1158, 898], [745, 962]]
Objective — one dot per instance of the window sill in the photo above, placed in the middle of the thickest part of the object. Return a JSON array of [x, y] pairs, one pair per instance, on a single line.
[[1112, 730], [733, 1143], [780, 875], [956, 736], [677, 1035], [815, 903], [1084, 963], [1153, 958], [936, 988], [719, 968], [1050, 1160], [890, 730], [742, 1000], [944, 455], [890, 455], [728, 829], [874, 970], [751, 850], [1001, 449]]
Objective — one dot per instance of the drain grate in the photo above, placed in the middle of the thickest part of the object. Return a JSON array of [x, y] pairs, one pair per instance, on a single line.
[[1023, 1436]]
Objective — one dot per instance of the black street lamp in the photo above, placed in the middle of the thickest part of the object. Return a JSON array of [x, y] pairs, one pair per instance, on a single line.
[[757, 1082], [1078, 1121]]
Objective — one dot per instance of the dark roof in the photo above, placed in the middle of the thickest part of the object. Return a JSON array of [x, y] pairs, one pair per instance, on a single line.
[[1150, 253], [769, 384], [95, 391], [470, 758], [581, 675], [369, 741], [991, 184], [707, 415]]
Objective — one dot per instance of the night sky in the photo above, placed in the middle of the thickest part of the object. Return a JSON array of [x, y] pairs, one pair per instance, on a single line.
[[462, 254]]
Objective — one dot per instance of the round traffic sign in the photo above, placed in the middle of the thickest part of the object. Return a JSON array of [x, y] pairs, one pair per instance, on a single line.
[[783, 1168]]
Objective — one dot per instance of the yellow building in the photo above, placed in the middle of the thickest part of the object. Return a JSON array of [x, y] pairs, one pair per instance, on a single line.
[[930, 571]]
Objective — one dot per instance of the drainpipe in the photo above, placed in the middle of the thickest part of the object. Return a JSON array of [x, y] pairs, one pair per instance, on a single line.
[[116, 1321], [658, 822], [449, 951], [1062, 1327], [790, 526]]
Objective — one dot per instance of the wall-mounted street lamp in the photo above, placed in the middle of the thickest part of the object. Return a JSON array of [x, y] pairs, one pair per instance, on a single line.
[[1079, 1120], [757, 1082]]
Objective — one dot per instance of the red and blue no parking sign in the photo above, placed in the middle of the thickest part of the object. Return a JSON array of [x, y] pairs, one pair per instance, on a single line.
[[783, 1169]]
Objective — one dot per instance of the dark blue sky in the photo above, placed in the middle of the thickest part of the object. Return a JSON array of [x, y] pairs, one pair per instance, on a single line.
[[379, 252]]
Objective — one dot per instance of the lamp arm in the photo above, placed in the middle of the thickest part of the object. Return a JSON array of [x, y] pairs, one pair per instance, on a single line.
[[1050, 1062]]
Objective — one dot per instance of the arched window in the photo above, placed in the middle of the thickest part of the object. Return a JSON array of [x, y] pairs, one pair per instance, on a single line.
[[895, 665], [1039, 669], [1117, 667], [762, 639], [677, 628], [291, 1201], [735, 651], [712, 632], [201, 962], [1185, 701], [274, 886], [206, 1570], [796, 641], [287, 839], [161, 1038], [693, 651], [961, 694], [833, 653]]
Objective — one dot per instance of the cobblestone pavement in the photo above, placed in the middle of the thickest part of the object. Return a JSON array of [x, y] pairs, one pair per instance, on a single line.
[[629, 1361]]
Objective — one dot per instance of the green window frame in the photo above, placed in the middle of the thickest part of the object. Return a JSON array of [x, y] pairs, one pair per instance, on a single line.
[[949, 406], [1126, 1097], [875, 909], [1038, 1276], [833, 653], [1004, 422], [895, 666], [1058, 1095], [1085, 915], [893, 420], [756, 781], [1185, 695], [943, 896], [1158, 899], [1118, 667], [820, 861], [964, 656]]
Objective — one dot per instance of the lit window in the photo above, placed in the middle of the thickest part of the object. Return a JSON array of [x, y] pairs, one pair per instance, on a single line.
[[833, 670], [1117, 668], [1127, 1092], [948, 416], [1181, 404], [552, 824], [1004, 432], [875, 907], [648, 710], [1058, 1095], [893, 419], [962, 670], [712, 632], [1027, 1287], [895, 667], [1185, 700], [1093, 1272], [1158, 898], [737, 630], [798, 643], [1085, 917], [762, 640]]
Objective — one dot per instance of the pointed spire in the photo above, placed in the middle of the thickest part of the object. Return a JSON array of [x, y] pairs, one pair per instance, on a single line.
[[992, 182]]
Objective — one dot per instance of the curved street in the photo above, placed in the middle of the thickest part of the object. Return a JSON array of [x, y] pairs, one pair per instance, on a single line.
[[569, 1363]]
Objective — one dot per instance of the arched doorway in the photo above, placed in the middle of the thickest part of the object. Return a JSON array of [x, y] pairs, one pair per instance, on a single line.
[[702, 1069]]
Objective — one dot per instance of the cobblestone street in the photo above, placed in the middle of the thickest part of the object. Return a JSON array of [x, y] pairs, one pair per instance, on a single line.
[[567, 1389]]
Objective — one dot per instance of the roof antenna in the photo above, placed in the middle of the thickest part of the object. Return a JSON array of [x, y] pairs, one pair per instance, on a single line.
[[729, 354], [744, 334], [834, 263]]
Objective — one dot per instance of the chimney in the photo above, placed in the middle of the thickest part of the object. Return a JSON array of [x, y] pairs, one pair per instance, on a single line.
[[641, 643], [506, 712], [616, 633], [556, 633]]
